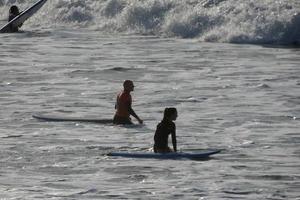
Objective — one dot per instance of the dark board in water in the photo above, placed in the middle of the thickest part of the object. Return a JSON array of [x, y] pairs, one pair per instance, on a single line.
[[199, 154], [71, 119]]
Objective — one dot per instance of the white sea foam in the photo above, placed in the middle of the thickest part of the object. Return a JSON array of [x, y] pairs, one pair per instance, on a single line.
[[235, 21]]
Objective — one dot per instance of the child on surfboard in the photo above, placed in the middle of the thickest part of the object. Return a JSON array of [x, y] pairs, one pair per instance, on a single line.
[[163, 130], [123, 105], [13, 12]]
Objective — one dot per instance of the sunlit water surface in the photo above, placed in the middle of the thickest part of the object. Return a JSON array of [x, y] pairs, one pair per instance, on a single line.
[[240, 98]]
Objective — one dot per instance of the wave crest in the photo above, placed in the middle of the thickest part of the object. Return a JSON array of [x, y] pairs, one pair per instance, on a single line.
[[235, 21]]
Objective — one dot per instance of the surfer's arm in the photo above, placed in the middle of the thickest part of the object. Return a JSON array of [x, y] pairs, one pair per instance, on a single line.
[[131, 112], [174, 142]]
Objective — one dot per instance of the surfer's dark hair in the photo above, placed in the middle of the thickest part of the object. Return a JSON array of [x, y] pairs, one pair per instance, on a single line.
[[14, 9], [169, 112]]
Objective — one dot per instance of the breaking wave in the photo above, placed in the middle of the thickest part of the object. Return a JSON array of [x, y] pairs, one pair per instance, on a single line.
[[233, 21]]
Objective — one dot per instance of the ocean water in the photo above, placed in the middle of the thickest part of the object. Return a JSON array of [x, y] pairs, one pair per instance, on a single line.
[[231, 68]]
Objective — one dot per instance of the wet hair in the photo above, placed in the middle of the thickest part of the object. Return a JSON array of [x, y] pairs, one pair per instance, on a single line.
[[169, 112], [127, 82], [14, 10]]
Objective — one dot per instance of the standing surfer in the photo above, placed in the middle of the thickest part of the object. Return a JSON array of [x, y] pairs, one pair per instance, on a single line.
[[13, 12], [163, 130], [123, 105]]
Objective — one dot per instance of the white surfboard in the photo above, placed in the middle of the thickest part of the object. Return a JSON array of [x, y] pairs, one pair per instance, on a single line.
[[23, 16]]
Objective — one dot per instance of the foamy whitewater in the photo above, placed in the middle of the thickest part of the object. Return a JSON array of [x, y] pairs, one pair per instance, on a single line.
[[235, 21], [231, 68]]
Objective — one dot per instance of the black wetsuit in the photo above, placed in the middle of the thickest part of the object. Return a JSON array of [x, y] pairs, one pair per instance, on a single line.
[[13, 29], [121, 120], [163, 130]]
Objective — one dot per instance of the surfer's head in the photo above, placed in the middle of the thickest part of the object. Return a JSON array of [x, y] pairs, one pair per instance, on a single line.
[[14, 10], [170, 114], [128, 85]]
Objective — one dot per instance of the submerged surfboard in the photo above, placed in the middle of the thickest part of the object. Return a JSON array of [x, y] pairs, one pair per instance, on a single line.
[[200, 154], [23, 16], [72, 119]]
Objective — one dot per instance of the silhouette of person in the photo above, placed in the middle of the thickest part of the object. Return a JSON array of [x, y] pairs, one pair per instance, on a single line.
[[124, 105], [163, 130]]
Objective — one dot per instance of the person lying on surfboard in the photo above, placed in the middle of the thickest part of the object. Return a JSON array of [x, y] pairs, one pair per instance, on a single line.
[[13, 12], [163, 130], [123, 105]]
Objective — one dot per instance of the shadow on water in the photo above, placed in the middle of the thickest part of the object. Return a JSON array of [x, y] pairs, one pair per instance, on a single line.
[[295, 46], [38, 33], [28, 34]]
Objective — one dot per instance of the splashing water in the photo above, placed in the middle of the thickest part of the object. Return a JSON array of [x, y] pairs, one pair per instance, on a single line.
[[234, 21]]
